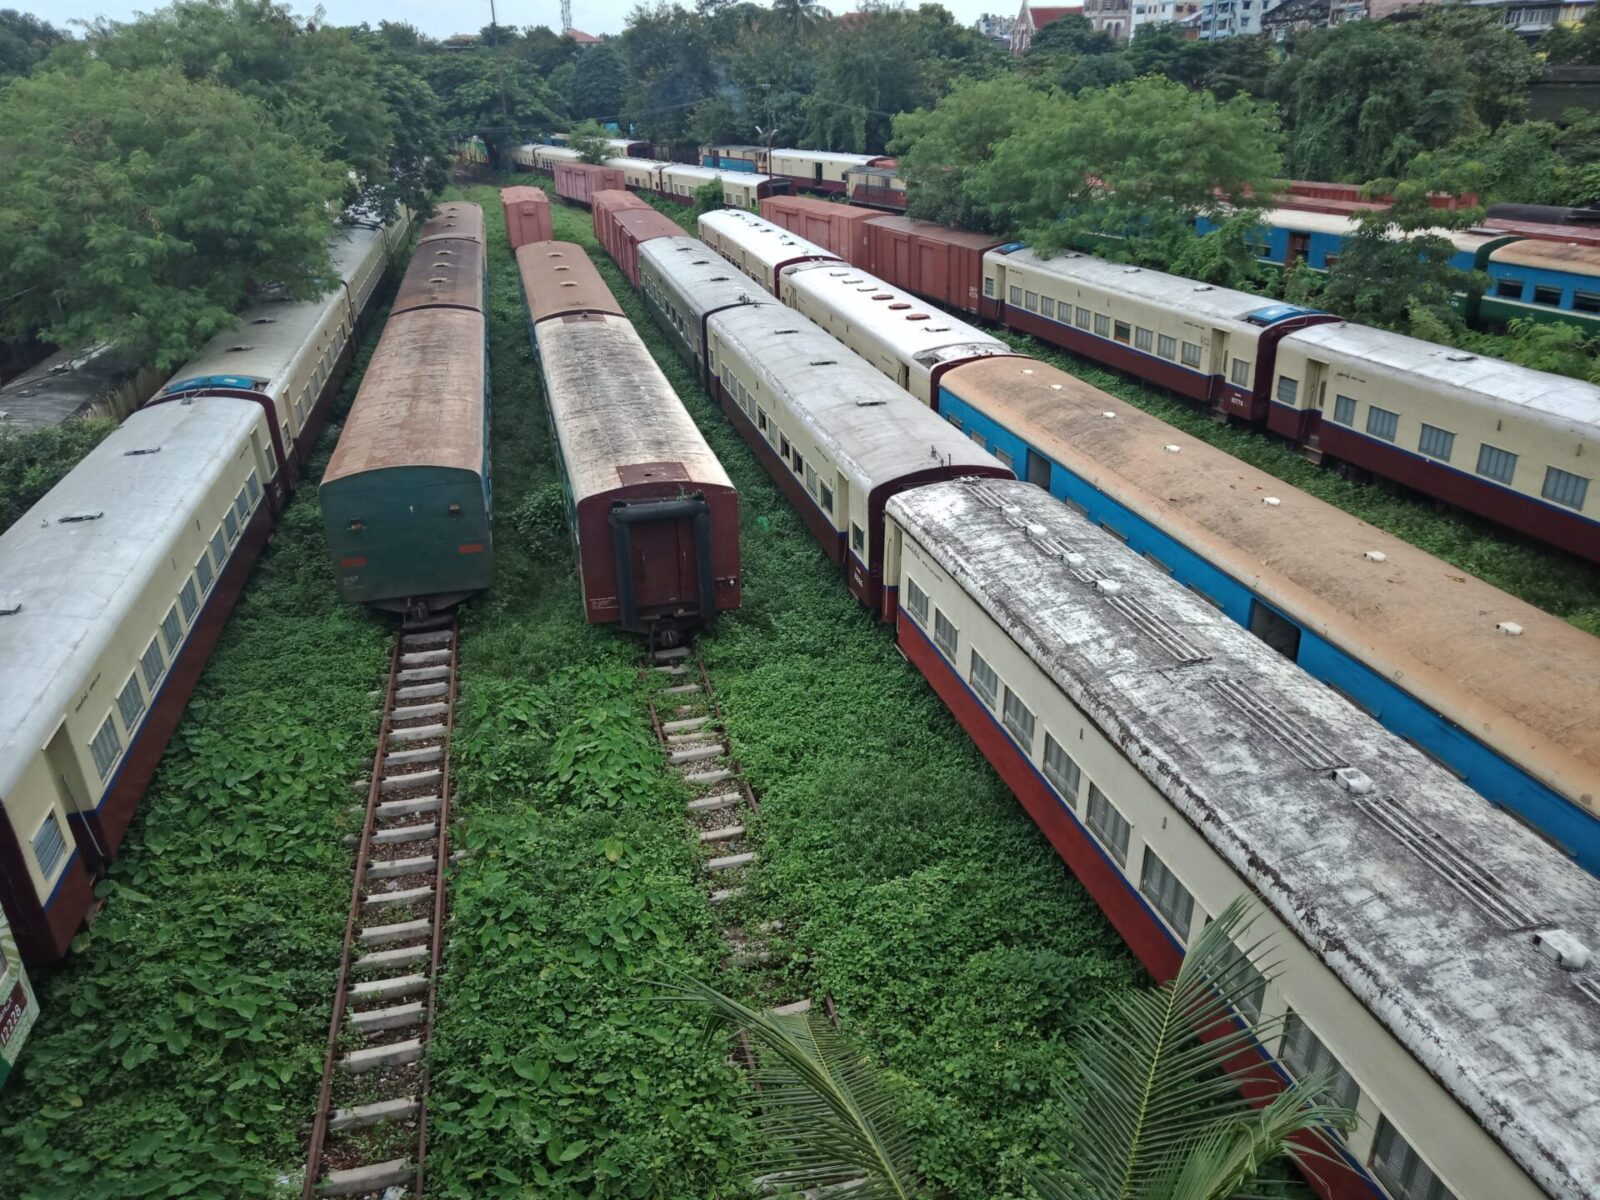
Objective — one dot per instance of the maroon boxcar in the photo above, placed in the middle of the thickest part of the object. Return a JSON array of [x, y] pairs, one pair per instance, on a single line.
[[579, 181], [633, 229], [527, 211], [605, 206], [937, 261], [838, 228]]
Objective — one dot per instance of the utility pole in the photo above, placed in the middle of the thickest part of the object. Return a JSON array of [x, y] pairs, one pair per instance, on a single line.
[[566, 18]]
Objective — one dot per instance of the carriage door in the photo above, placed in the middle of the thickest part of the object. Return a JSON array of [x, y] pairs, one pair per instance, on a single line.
[[1314, 393], [1038, 469], [1275, 629], [67, 777], [1299, 248]]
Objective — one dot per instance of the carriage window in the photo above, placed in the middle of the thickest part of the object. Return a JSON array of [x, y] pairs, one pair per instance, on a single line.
[[130, 703], [1547, 295], [1102, 325], [202, 568], [858, 539], [1381, 423], [1436, 442], [783, 447], [1588, 302], [1399, 1169], [1122, 332], [988, 286], [1061, 770], [977, 436], [1288, 390], [811, 479], [1002, 456], [1047, 306], [49, 846], [231, 524], [1169, 897], [1110, 826], [1563, 487], [826, 497], [186, 597], [1018, 718], [172, 629], [1083, 318], [1016, 294], [253, 486], [1191, 355], [1509, 289], [1167, 347], [1031, 301], [799, 464], [984, 681], [105, 747], [1239, 372], [1304, 1055], [1344, 410], [151, 663], [1495, 463], [241, 505], [1142, 338], [761, 419], [945, 634], [916, 598], [1246, 986], [219, 548]]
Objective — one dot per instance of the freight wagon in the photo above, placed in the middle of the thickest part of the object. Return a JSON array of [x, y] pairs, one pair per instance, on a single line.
[[527, 215]]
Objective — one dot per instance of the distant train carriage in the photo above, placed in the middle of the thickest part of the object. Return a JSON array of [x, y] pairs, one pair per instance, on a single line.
[[654, 517], [684, 284], [113, 590], [758, 247], [640, 174], [527, 215], [877, 185], [840, 229], [1541, 280], [739, 189], [578, 181], [407, 498], [817, 170], [603, 206], [19, 1008], [937, 261], [838, 437], [749, 159]]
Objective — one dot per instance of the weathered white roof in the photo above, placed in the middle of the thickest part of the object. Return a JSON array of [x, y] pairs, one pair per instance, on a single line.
[[351, 246], [871, 429], [828, 156], [706, 174], [701, 278], [1450, 969], [770, 244], [555, 152], [612, 407], [1201, 300], [62, 386], [75, 580], [1343, 226], [913, 329], [1571, 405]]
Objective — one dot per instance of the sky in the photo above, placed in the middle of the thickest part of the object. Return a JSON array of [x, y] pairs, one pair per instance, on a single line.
[[441, 18]]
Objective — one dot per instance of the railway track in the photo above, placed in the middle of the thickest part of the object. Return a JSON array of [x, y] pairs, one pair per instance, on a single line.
[[369, 1135]]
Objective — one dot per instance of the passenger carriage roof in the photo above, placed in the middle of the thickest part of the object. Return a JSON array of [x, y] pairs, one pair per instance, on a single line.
[[829, 156], [1507, 1031], [612, 407], [61, 385], [913, 327], [1410, 616], [1312, 221], [1573, 258], [770, 244], [446, 272], [263, 345], [77, 580], [421, 400], [1185, 296], [701, 276], [352, 244], [454, 219], [706, 174], [558, 277], [945, 234], [868, 427], [1569, 405]]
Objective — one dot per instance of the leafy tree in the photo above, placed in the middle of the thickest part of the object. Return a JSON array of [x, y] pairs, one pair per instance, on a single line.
[[1226, 66], [140, 207], [1138, 162], [1499, 65], [670, 55], [33, 461], [1517, 162], [1072, 34], [1153, 1107], [1397, 266], [24, 42], [589, 140], [1565, 45], [494, 94], [1225, 256], [942, 147], [598, 82], [708, 197], [546, 49]]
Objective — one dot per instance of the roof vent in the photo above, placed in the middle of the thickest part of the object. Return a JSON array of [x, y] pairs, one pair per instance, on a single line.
[[1172, 449], [239, 349], [1204, 287], [883, 296], [437, 279], [1129, 270], [444, 253], [823, 362], [146, 450], [1037, 530], [439, 266], [1271, 501], [1561, 948], [1109, 415], [263, 320], [559, 269], [1461, 357], [785, 331], [10, 608], [1376, 556], [870, 403], [77, 517], [1027, 370], [1352, 780], [1509, 628], [916, 316], [700, 262], [719, 279], [1055, 387], [569, 283], [898, 307], [1074, 559], [1109, 586]]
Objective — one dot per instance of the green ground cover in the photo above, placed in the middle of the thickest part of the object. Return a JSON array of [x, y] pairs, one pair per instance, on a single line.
[[912, 887], [179, 1048]]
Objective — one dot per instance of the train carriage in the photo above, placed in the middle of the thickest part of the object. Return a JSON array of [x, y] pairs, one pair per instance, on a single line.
[[636, 229], [407, 497], [824, 171], [839, 438], [1212, 344], [1504, 695], [527, 215], [654, 517], [19, 1007], [936, 261], [1507, 442], [758, 247], [113, 591], [545, 158], [100, 381], [877, 185], [640, 174], [910, 342], [840, 229], [684, 284], [740, 190], [1430, 955], [1542, 280], [579, 181]]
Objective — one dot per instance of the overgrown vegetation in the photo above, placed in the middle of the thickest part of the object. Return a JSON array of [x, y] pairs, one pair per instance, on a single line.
[[33, 461], [179, 1048], [914, 890]]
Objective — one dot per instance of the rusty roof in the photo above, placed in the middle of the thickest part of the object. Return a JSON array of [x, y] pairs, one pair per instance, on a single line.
[[421, 399], [444, 273], [943, 234], [457, 219], [1568, 257], [646, 223], [558, 278]]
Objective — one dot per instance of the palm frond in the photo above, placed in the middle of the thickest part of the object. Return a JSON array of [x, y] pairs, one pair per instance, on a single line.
[[1158, 1081], [825, 1112]]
